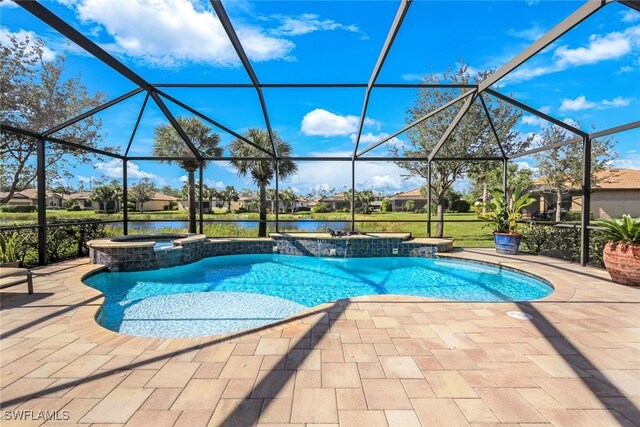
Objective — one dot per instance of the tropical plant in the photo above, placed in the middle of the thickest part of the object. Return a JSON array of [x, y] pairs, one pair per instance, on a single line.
[[142, 192], [625, 230], [289, 197], [169, 144], [503, 213], [9, 248], [227, 196], [262, 170], [410, 205]]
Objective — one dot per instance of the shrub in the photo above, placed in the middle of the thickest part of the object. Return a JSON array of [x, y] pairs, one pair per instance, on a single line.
[[18, 208], [321, 208], [74, 208], [63, 241], [410, 206], [385, 205], [304, 209], [571, 216], [461, 206]]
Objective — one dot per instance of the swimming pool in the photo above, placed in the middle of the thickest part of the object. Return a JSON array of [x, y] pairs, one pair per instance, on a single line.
[[230, 293]]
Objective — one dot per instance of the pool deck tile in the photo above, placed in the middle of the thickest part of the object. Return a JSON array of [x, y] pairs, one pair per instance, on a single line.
[[378, 360]]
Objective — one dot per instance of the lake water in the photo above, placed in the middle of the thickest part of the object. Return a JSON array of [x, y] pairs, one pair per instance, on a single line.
[[307, 226]]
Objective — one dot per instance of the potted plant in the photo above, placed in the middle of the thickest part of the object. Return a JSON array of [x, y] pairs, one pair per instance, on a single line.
[[621, 254], [502, 216]]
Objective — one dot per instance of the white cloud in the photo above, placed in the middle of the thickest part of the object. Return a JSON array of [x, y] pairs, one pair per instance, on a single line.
[[571, 122], [610, 46], [413, 77], [533, 121], [8, 4], [600, 48], [616, 102], [22, 35], [214, 184], [170, 32], [525, 165], [581, 103], [630, 16], [630, 160], [378, 176], [371, 138], [309, 23], [532, 33], [624, 69], [113, 169], [320, 122]]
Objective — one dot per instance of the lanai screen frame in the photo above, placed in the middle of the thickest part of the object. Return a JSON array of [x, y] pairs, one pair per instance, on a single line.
[[154, 92]]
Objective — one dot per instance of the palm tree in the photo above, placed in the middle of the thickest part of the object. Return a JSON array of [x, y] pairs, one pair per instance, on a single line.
[[169, 144], [262, 171]]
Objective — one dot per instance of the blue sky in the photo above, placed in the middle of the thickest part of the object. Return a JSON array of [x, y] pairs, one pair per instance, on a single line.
[[589, 76]]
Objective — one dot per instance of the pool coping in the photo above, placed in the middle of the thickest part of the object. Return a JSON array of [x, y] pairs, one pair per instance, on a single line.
[[84, 319]]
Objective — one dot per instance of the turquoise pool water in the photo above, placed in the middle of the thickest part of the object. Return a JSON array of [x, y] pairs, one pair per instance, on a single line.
[[231, 293]]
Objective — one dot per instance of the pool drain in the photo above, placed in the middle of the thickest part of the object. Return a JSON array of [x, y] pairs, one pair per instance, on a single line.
[[519, 315]]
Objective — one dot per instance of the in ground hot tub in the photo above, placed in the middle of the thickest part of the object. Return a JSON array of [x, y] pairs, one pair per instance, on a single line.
[[147, 251]]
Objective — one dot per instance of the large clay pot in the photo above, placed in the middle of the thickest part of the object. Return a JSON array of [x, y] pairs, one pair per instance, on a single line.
[[623, 263], [506, 243]]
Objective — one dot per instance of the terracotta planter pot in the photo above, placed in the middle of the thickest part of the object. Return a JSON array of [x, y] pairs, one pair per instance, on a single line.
[[623, 263]]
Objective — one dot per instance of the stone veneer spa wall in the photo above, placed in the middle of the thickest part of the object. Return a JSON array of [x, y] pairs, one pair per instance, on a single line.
[[140, 252]]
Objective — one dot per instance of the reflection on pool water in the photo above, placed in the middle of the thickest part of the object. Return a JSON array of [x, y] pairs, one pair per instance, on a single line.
[[230, 293]]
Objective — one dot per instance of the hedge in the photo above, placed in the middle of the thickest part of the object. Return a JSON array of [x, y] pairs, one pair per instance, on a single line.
[[65, 241]]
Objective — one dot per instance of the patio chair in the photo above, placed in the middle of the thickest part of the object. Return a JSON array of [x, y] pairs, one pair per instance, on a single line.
[[12, 276]]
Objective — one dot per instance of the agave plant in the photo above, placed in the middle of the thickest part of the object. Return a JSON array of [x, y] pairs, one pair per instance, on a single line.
[[625, 230], [503, 213]]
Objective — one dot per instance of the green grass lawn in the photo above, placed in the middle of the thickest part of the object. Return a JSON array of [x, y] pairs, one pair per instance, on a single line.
[[471, 234]]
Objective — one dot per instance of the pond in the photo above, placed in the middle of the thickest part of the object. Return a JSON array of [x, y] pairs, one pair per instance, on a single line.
[[308, 226]]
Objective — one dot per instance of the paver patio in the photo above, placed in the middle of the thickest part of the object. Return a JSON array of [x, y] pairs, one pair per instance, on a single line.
[[396, 361]]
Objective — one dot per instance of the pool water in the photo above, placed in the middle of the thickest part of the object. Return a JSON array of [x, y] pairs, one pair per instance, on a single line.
[[230, 293]]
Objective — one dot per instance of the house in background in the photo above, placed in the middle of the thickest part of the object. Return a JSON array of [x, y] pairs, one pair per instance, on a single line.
[[617, 194], [83, 199], [29, 197], [399, 200], [159, 202]]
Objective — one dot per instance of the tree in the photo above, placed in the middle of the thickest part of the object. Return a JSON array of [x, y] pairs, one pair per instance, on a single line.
[[289, 198], [103, 194], [170, 191], [169, 144], [142, 192], [36, 96], [473, 135], [262, 171], [228, 195], [561, 168], [385, 205], [271, 197], [517, 177], [410, 205]]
